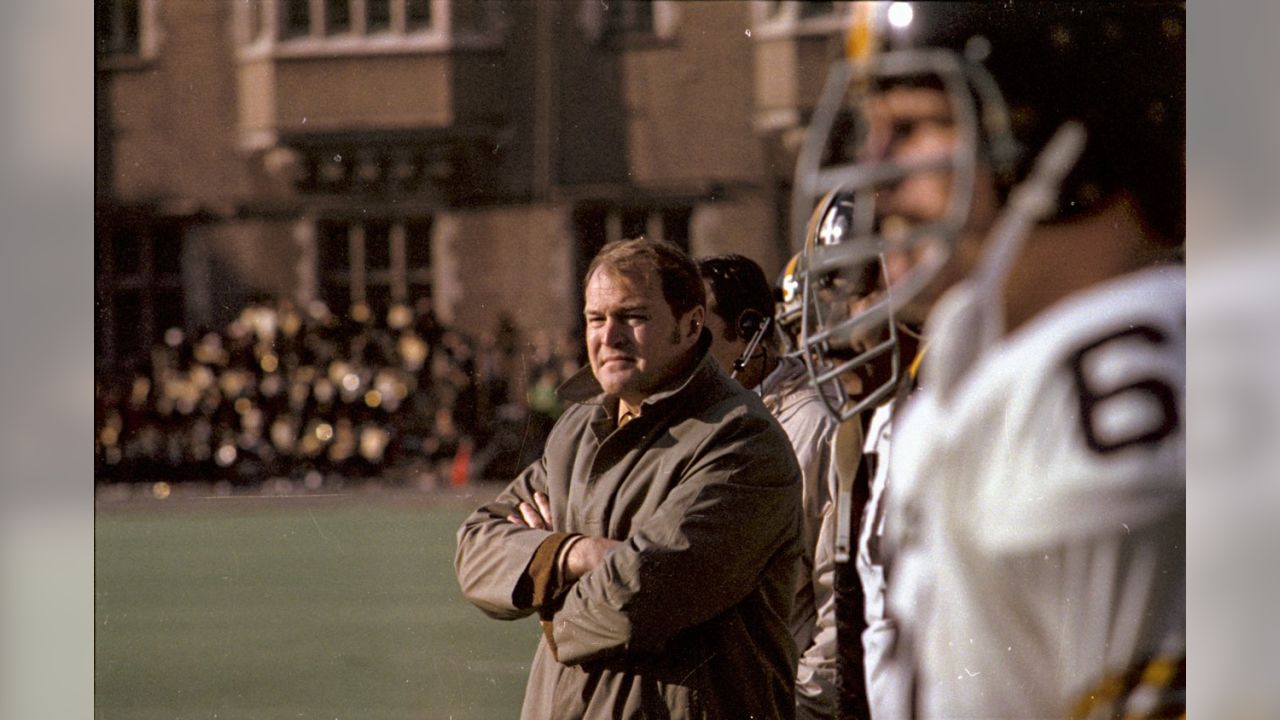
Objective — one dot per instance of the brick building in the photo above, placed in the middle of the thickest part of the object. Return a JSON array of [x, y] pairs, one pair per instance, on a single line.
[[473, 152]]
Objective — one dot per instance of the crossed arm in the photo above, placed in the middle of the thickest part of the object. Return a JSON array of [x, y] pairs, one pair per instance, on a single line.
[[578, 554], [704, 548], [512, 560]]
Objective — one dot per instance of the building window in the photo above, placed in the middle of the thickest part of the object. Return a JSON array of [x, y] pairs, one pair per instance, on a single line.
[[124, 31], [328, 26], [376, 262], [297, 19], [337, 17], [675, 225], [790, 17], [792, 10], [632, 23], [117, 27], [417, 246], [377, 16], [474, 18], [598, 223], [417, 14], [334, 264], [629, 16], [138, 263], [816, 9], [300, 20]]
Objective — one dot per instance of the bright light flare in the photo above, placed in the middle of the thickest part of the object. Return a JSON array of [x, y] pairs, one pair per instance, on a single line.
[[901, 14]]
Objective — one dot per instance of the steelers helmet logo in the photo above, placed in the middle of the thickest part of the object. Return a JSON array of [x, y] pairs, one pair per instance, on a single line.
[[834, 228]]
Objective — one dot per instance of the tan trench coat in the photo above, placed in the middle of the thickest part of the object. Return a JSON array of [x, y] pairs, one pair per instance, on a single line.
[[788, 394], [688, 618]]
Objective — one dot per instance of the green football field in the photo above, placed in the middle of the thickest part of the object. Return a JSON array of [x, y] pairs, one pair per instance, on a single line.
[[294, 608]]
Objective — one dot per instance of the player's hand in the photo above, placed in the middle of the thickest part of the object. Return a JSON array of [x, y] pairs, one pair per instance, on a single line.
[[537, 515]]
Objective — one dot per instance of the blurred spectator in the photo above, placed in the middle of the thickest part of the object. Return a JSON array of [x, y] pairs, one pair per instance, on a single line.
[[305, 395]]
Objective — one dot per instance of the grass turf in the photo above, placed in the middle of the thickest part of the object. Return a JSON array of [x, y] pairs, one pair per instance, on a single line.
[[290, 610]]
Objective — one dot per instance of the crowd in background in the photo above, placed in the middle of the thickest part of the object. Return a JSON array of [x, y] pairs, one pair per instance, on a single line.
[[307, 396]]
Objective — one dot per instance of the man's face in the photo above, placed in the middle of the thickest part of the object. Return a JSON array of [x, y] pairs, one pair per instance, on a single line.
[[843, 301], [634, 342], [910, 124], [725, 351]]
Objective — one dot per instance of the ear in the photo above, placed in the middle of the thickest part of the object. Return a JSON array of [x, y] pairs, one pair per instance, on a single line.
[[696, 317], [749, 321]]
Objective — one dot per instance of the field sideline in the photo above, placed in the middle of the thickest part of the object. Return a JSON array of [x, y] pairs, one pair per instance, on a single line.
[[295, 607]]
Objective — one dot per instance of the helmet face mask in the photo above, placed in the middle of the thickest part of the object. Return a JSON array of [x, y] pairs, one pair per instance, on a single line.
[[845, 331]]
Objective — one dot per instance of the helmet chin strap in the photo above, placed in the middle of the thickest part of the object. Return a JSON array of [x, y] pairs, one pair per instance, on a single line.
[[750, 352]]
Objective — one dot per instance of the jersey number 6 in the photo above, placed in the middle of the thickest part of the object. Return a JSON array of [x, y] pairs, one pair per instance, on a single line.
[[1156, 389]]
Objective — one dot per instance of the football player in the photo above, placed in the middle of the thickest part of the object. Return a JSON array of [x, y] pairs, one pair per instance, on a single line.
[[865, 362], [1027, 161]]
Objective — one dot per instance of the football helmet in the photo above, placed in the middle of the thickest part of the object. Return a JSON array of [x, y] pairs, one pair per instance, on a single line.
[[850, 148], [1006, 79], [842, 341], [786, 312]]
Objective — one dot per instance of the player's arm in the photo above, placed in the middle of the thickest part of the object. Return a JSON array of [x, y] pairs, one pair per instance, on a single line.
[[704, 550]]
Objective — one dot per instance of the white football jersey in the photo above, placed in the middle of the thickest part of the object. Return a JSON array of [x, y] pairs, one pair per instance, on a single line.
[[1037, 506], [887, 664]]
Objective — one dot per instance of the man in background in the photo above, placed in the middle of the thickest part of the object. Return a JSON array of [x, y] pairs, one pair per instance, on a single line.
[[740, 317]]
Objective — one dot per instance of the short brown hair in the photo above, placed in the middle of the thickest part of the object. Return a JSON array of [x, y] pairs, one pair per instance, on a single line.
[[738, 285], [676, 271]]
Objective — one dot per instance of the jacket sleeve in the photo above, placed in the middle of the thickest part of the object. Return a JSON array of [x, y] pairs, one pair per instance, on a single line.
[[494, 554], [816, 675], [811, 431], [704, 550]]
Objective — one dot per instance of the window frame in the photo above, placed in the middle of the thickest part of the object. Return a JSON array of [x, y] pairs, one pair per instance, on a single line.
[[148, 45], [358, 277], [399, 38], [788, 23], [140, 278], [665, 20]]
